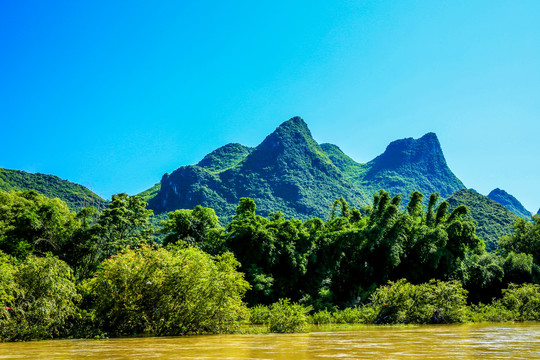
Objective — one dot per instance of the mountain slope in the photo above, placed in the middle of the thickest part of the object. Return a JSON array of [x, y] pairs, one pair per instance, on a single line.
[[76, 196], [493, 219], [406, 165], [509, 202], [225, 157], [287, 172], [291, 173]]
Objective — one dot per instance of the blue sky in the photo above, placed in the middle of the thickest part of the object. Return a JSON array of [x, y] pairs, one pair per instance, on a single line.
[[113, 94]]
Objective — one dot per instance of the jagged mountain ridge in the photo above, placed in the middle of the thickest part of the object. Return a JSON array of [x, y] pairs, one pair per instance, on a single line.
[[509, 202], [287, 172], [291, 173], [74, 195]]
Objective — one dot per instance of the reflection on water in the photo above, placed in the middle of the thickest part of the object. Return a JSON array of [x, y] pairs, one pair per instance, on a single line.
[[492, 341]]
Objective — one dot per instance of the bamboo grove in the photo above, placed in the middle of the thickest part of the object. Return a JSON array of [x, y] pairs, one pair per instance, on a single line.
[[118, 272]]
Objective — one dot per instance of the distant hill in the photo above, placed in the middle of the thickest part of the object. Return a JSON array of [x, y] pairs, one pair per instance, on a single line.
[[151, 192], [291, 173], [76, 196], [493, 219], [509, 202]]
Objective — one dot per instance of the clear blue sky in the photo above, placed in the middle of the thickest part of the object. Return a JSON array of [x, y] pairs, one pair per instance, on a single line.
[[112, 94]]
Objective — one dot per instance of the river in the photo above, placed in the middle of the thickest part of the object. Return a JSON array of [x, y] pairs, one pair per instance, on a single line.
[[477, 341]]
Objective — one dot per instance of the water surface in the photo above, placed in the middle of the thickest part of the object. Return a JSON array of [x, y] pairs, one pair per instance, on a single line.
[[491, 341]]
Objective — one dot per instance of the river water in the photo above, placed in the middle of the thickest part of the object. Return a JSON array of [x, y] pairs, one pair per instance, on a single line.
[[487, 341]]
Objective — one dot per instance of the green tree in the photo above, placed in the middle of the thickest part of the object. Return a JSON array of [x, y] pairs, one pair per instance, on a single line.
[[124, 223], [198, 227], [33, 223], [526, 238]]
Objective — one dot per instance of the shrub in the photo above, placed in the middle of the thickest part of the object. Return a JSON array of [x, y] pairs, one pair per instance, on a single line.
[[288, 318], [322, 317], [165, 292], [259, 315], [494, 312], [523, 300], [433, 302], [43, 299]]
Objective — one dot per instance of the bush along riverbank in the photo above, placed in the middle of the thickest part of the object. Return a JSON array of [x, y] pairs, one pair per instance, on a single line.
[[400, 302], [110, 272]]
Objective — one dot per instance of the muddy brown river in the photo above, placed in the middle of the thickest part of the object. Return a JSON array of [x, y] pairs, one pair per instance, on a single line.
[[486, 341]]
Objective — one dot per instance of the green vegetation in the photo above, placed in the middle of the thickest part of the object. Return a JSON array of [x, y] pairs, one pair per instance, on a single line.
[[292, 174], [225, 157], [492, 219], [102, 273], [405, 166], [509, 202], [150, 193], [167, 292], [74, 195]]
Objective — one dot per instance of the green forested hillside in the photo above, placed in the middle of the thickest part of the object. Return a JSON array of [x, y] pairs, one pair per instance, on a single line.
[[407, 165], [493, 220], [225, 157], [291, 173], [509, 202], [76, 196], [287, 172]]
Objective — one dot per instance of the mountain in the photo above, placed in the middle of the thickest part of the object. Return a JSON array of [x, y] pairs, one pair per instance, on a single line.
[[76, 196], [509, 202], [493, 220], [406, 165], [290, 172], [287, 172]]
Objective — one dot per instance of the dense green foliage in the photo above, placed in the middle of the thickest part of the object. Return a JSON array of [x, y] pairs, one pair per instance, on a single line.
[[38, 298], [150, 193], [405, 166], [288, 172], [492, 219], [225, 157], [167, 292], [525, 239], [74, 195], [31, 222], [96, 273], [292, 174], [509, 202], [285, 317]]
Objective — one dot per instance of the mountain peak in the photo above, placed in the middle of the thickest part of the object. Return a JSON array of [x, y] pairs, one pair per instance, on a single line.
[[405, 152], [295, 125], [509, 202], [414, 163], [289, 143], [224, 157]]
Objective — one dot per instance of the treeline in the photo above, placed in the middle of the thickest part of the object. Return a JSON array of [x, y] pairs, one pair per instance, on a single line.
[[112, 272]]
